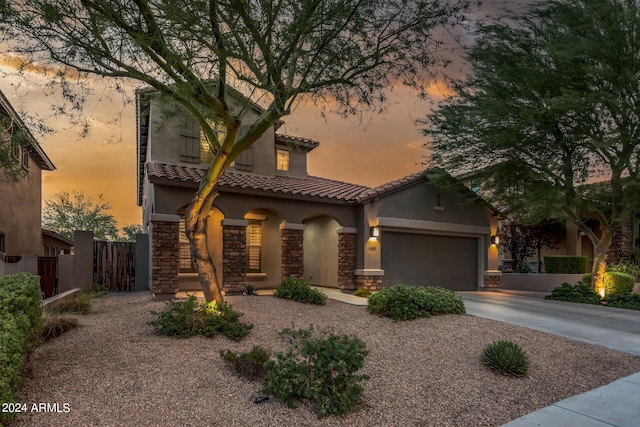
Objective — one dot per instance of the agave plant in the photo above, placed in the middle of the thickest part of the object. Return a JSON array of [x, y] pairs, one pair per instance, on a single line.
[[506, 357]]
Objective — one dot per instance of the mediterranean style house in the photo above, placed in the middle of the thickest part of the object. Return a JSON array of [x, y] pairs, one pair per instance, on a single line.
[[21, 202], [272, 220]]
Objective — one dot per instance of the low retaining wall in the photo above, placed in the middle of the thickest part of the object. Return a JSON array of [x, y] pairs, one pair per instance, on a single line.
[[539, 282], [56, 299]]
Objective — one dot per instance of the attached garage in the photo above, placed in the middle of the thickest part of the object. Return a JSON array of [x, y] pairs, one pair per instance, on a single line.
[[429, 260]]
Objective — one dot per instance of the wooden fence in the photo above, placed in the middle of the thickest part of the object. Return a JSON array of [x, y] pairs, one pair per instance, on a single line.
[[114, 265]]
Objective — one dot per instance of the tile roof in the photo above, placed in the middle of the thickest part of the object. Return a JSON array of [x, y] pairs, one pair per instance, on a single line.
[[307, 143], [390, 186], [310, 186]]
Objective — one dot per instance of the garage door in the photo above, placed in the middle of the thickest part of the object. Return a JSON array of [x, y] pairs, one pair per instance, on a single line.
[[420, 259]]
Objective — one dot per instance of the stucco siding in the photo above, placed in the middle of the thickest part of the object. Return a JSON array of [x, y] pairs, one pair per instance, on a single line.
[[20, 213]]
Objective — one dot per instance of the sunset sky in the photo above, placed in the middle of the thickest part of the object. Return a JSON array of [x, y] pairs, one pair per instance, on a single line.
[[376, 149]]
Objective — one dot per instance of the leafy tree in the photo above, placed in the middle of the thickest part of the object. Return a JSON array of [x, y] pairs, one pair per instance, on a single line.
[[274, 51], [552, 104], [13, 136], [524, 241], [65, 214], [129, 232]]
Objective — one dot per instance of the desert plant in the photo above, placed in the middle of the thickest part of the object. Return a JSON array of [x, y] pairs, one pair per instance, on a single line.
[[79, 303], [301, 291], [321, 367], [403, 302], [579, 293], [506, 357], [249, 364], [628, 301], [54, 325], [249, 290], [183, 319], [96, 291], [363, 292], [629, 265]]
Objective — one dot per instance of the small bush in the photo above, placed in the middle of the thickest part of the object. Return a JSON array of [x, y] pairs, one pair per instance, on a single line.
[[506, 357], [79, 303], [249, 364], [54, 325], [629, 265], [301, 291], [96, 291], [403, 302], [20, 328], [579, 293], [628, 301], [617, 283], [249, 290], [321, 368], [565, 264], [184, 319], [363, 292], [586, 279]]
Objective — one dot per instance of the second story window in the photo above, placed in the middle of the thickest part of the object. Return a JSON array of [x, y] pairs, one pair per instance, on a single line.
[[195, 147], [25, 158], [282, 160]]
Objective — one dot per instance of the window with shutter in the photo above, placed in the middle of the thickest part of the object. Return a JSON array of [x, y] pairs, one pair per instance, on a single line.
[[254, 247], [186, 262]]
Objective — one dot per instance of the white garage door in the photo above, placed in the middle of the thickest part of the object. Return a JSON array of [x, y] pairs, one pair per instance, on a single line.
[[429, 260]]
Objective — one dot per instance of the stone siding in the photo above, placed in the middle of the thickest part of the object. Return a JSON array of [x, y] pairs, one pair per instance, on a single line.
[[492, 281], [234, 258], [292, 253], [346, 261], [373, 283], [164, 258]]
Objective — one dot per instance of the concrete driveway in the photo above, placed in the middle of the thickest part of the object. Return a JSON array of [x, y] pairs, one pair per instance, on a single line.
[[614, 328]]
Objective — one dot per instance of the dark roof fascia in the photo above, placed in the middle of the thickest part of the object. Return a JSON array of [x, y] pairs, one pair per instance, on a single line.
[[57, 236], [34, 148]]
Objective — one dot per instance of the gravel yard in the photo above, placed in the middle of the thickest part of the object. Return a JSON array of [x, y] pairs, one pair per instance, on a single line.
[[113, 370]]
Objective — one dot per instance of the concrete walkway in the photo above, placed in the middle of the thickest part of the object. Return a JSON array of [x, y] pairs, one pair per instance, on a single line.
[[614, 404]]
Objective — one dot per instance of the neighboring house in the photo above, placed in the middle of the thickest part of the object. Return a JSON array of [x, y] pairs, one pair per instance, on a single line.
[[574, 242], [21, 202], [55, 243], [272, 220]]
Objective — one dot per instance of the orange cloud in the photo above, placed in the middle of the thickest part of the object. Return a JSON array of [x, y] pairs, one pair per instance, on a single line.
[[22, 64]]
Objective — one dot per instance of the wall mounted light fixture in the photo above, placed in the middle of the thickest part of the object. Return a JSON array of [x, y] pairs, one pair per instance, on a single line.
[[374, 232], [495, 240]]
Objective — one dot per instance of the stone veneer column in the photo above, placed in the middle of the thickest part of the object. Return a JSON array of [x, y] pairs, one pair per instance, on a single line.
[[347, 258], [492, 279], [292, 250], [369, 279], [234, 255], [165, 262]]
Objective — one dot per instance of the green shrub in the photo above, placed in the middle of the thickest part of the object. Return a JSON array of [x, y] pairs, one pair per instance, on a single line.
[[565, 264], [628, 301], [183, 319], [249, 364], [586, 279], [96, 291], [363, 292], [617, 283], [20, 293], [403, 302], [579, 293], [54, 325], [20, 328], [506, 357], [321, 368], [301, 291], [629, 265]]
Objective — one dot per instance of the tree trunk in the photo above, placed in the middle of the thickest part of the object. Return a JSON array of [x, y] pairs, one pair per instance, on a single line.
[[197, 236], [600, 251]]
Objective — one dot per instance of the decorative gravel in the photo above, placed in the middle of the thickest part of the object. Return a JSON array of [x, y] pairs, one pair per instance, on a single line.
[[113, 370]]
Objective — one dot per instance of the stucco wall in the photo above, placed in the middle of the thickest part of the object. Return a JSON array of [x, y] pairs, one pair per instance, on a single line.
[[20, 213], [321, 251]]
